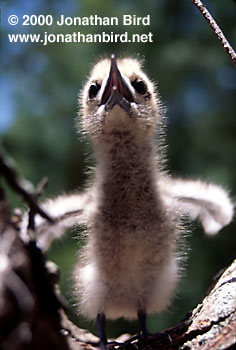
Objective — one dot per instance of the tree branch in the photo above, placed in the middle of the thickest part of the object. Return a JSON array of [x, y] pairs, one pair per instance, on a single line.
[[12, 179], [216, 29]]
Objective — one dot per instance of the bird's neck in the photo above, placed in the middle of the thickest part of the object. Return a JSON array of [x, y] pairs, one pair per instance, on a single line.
[[126, 171]]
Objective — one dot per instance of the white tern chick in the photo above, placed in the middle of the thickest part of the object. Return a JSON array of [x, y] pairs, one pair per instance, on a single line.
[[129, 265]]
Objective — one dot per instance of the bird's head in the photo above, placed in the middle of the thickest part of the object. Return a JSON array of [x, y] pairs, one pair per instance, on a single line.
[[118, 97]]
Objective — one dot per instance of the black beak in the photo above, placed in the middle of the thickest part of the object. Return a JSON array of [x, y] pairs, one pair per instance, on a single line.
[[116, 91]]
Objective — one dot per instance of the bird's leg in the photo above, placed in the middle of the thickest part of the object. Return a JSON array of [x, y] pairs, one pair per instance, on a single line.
[[101, 324], [142, 317]]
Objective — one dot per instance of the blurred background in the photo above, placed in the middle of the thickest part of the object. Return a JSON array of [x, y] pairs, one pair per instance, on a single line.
[[197, 82]]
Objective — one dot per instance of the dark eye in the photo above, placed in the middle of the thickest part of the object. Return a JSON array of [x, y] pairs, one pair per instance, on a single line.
[[139, 86], [93, 90]]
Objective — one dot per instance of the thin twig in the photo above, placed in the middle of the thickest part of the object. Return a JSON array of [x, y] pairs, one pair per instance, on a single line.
[[216, 29], [12, 179], [33, 211]]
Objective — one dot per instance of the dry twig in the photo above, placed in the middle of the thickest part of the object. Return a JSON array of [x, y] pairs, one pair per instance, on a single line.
[[14, 182], [216, 29]]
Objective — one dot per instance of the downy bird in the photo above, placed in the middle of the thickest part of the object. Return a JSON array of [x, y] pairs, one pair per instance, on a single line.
[[133, 210]]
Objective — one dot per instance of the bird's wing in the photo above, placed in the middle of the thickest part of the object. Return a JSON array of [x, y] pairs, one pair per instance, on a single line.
[[66, 211], [196, 199]]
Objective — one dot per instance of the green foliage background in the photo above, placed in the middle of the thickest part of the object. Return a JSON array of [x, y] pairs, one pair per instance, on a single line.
[[197, 82]]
